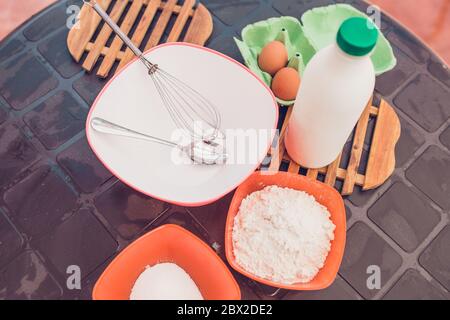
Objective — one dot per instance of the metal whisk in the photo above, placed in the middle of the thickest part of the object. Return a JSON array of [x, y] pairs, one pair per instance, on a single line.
[[187, 107]]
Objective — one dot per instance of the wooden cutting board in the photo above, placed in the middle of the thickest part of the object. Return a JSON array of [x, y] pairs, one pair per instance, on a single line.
[[381, 160], [149, 21]]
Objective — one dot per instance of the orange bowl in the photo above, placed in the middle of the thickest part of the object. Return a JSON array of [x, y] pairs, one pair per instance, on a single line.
[[323, 193], [168, 243]]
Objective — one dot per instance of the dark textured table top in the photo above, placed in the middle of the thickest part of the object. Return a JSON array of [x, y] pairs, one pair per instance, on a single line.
[[60, 207]]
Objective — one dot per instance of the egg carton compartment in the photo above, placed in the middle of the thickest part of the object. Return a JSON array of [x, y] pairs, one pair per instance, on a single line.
[[302, 38]]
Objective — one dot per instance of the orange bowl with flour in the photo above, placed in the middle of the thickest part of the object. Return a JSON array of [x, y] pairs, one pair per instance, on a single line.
[[323, 194]]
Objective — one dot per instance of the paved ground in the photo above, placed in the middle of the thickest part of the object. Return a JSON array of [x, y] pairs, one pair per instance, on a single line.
[[59, 206]]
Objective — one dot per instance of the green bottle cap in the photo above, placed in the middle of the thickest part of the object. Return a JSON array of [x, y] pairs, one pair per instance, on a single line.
[[357, 36]]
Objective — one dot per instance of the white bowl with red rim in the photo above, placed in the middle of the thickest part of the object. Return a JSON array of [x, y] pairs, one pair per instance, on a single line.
[[130, 99]]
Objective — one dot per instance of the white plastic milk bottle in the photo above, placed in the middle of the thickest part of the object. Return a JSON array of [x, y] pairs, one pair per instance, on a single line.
[[336, 87]]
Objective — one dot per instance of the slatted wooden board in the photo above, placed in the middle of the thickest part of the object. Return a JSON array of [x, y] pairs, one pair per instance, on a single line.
[[380, 164], [191, 21]]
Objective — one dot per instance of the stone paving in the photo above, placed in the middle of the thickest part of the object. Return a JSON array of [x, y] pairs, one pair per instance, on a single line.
[[59, 206]]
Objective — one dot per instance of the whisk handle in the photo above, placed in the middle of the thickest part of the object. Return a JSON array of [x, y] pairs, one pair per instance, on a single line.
[[93, 4]]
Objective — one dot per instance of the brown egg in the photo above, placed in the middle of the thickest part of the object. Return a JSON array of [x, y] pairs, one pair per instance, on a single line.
[[285, 84], [273, 57]]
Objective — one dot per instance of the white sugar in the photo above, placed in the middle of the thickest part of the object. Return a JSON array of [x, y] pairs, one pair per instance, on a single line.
[[165, 281]]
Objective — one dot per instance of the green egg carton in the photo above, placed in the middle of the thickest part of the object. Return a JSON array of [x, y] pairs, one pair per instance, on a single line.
[[317, 29]]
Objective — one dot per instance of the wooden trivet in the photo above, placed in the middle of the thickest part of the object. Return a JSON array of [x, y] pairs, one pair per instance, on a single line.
[[193, 21], [381, 162]]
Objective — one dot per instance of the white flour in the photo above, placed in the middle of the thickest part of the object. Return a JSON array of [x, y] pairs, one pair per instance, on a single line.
[[165, 281], [283, 235]]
